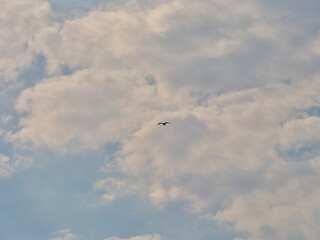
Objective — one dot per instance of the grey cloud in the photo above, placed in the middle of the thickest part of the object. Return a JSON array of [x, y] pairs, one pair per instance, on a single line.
[[150, 80]]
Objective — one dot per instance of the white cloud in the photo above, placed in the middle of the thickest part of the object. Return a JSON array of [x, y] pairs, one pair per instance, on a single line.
[[226, 154], [297, 133], [87, 109], [20, 21], [113, 187], [64, 234], [143, 237], [289, 212], [117, 71], [186, 43], [233, 138], [183, 47]]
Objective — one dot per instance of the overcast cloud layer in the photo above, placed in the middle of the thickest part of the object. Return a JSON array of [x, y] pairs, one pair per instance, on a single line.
[[238, 80]]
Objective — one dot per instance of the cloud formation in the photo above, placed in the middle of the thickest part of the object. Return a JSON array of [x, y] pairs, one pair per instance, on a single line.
[[20, 21], [240, 85], [185, 49]]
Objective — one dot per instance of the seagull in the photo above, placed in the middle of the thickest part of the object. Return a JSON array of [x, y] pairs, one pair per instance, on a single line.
[[163, 123]]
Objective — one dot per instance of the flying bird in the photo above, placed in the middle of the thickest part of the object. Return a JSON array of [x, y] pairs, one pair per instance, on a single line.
[[163, 123]]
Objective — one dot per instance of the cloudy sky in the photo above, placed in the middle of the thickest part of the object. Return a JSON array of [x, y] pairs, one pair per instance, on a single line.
[[83, 84]]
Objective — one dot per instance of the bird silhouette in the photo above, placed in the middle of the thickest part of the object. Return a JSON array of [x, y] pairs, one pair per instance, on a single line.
[[163, 123]]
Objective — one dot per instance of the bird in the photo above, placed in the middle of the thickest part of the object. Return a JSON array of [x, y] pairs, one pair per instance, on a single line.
[[163, 123]]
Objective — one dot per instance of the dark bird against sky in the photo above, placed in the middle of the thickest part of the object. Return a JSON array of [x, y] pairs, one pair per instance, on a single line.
[[163, 123]]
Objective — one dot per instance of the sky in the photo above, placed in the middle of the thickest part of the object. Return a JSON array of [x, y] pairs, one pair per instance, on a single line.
[[84, 83]]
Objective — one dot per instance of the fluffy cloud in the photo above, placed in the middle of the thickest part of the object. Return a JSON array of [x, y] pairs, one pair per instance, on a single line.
[[233, 142], [288, 212], [88, 108], [127, 63], [144, 237], [234, 153], [20, 21], [188, 43], [232, 145]]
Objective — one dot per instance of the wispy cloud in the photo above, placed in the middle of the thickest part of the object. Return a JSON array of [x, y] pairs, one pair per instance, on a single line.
[[64, 234], [9, 165], [143, 237]]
